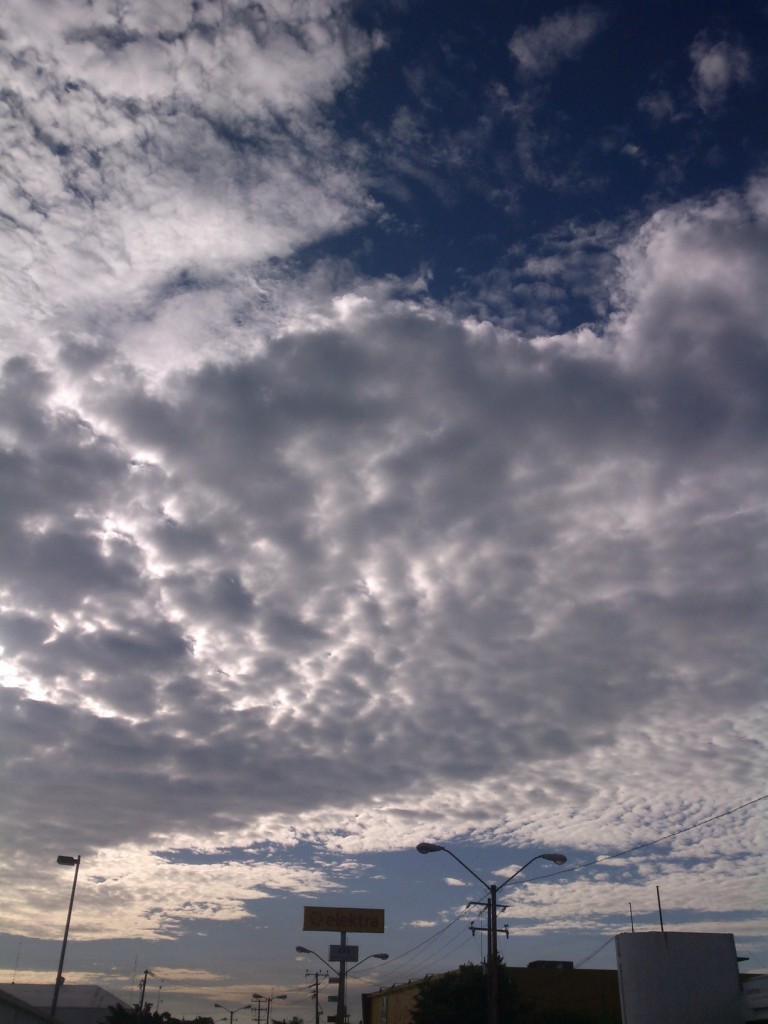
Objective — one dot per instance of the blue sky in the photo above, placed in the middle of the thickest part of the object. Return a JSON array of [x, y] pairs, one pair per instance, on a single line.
[[383, 460]]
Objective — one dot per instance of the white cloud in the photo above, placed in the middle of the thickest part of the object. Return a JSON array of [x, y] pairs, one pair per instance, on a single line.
[[120, 893], [558, 37], [717, 67], [148, 152], [395, 534]]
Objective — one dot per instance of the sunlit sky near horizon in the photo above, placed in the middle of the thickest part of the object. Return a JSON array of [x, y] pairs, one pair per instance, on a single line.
[[383, 459]]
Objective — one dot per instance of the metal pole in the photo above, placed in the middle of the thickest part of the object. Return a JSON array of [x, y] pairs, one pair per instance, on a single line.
[[341, 1013], [59, 975], [143, 994], [316, 986], [493, 958], [493, 890]]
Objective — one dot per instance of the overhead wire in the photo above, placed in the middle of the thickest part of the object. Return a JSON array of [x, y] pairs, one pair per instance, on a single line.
[[594, 954], [457, 942], [644, 846]]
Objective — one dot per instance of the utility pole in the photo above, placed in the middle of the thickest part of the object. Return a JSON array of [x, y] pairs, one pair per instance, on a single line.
[[341, 1013], [258, 1000], [492, 904], [317, 975], [147, 974], [492, 948]]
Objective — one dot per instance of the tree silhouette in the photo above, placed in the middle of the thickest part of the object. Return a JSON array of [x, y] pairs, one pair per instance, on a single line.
[[461, 997]]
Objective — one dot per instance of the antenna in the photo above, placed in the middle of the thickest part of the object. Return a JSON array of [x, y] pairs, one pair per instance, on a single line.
[[631, 919], [661, 919]]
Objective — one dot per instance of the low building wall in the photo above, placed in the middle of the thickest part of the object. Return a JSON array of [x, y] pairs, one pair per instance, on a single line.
[[593, 995]]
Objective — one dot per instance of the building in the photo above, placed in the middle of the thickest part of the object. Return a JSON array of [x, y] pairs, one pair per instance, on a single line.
[[755, 993], [548, 987], [15, 1011], [662, 977], [668, 977], [77, 1004]]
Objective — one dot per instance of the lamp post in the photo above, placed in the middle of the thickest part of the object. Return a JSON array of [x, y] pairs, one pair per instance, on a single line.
[[231, 1013], [143, 989], [341, 975], [493, 891], [75, 863], [268, 1000]]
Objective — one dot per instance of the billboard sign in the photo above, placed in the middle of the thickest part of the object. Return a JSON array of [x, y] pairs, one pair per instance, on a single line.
[[342, 919]]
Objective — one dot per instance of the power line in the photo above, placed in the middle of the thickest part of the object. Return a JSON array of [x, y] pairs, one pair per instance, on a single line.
[[431, 938], [426, 942], [644, 846], [593, 955], [456, 942]]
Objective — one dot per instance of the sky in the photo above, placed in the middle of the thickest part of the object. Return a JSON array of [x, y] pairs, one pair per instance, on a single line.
[[383, 451]]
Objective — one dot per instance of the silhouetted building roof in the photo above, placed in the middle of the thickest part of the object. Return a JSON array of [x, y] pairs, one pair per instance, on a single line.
[[77, 1004]]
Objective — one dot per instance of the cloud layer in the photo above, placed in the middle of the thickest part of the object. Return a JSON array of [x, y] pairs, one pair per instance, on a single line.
[[416, 546], [297, 550]]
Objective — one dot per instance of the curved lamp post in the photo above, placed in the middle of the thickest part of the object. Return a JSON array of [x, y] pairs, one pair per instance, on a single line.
[[493, 891], [341, 1013], [371, 956], [231, 1013], [75, 863]]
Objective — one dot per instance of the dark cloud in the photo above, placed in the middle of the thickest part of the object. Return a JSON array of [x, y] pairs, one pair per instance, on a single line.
[[411, 551]]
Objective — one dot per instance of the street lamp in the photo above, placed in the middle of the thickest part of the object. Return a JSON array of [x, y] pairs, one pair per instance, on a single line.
[[218, 1006], [493, 891], [75, 863], [268, 1000], [341, 1013], [371, 956]]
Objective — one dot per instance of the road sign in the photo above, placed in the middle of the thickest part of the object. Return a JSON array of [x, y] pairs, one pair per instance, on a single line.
[[345, 954], [342, 919], [332, 999]]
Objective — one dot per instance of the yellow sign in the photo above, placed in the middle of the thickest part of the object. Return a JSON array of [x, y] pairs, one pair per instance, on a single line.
[[342, 919]]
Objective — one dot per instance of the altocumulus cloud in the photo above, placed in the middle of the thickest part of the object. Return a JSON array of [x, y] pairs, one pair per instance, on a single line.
[[312, 555], [432, 527]]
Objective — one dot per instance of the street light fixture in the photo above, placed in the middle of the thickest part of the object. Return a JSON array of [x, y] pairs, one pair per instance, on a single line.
[[75, 863], [493, 891], [218, 1006], [371, 956], [268, 1000], [341, 1013]]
